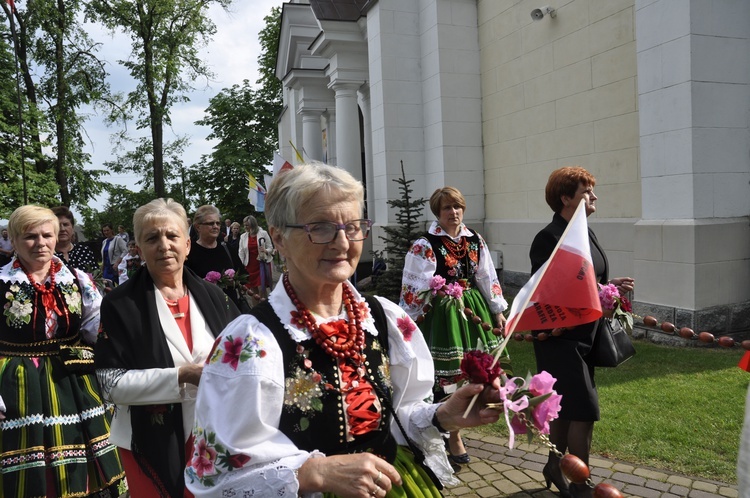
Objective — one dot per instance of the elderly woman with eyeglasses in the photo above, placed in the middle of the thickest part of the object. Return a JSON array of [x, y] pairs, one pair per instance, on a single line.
[[328, 388]]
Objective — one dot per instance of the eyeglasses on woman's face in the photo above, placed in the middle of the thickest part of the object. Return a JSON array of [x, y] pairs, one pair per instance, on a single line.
[[211, 223], [324, 232]]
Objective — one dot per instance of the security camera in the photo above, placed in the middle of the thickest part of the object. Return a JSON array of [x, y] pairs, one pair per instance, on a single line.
[[538, 14]]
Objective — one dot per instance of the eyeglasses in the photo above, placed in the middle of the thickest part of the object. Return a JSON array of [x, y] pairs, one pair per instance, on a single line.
[[324, 232], [212, 224]]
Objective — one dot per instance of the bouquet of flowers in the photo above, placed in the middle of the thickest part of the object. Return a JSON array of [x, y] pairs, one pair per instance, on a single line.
[[230, 279], [526, 402], [451, 294], [620, 305]]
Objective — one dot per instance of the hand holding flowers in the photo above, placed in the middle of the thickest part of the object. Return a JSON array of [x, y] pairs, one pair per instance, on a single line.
[[230, 279], [618, 305]]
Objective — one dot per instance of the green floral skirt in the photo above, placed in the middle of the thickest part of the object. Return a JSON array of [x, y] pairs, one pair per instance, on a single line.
[[449, 334], [55, 432], [417, 484]]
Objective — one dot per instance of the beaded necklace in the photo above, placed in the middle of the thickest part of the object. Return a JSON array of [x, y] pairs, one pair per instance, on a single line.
[[46, 292], [339, 340], [458, 250]]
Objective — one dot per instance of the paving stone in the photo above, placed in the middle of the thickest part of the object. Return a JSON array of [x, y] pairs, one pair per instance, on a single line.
[[514, 462], [481, 454], [679, 490], [480, 467], [705, 486], [603, 473], [507, 487], [629, 478], [487, 492], [697, 493], [501, 467], [623, 467], [598, 462], [641, 491], [660, 485], [535, 457], [728, 492], [517, 476], [469, 476], [680, 481], [651, 474]]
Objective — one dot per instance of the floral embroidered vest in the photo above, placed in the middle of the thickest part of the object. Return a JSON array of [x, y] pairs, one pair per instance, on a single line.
[[450, 267], [24, 330], [313, 415]]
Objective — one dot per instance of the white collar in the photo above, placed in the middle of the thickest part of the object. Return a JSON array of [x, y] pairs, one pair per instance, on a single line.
[[436, 229], [9, 273], [282, 305]]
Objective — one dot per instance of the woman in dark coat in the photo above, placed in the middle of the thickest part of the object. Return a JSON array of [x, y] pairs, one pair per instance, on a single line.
[[565, 356], [157, 331]]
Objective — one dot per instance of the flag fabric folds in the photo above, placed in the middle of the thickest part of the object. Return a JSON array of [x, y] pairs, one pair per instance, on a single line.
[[564, 291], [280, 164], [256, 194]]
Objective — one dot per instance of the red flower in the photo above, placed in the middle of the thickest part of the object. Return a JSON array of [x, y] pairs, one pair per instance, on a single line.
[[232, 351], [298, 318], [408, 298], [476, 367], [406, 326], [625, 304], [237, 461]]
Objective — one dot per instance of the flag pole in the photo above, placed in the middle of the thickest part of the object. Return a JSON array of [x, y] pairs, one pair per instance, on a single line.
[[511, 329]]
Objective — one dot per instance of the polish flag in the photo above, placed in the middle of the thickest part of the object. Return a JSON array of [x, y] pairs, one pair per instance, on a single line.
[[280, 164], [564, 291]]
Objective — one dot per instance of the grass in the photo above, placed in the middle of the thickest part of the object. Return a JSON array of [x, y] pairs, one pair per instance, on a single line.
[[678, 409]]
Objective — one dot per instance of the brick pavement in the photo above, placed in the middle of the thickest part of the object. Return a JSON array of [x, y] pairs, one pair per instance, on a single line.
[[497, 471]]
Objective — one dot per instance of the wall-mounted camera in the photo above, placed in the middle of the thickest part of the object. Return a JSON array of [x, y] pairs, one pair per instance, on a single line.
[[538, 14]]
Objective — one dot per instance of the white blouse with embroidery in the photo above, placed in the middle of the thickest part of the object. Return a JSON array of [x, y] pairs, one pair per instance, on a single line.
[[239, 449], [420, 265]]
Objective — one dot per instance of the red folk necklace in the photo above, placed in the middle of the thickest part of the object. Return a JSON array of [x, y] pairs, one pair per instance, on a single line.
[[338, 339], [458, 250], [46, 291]]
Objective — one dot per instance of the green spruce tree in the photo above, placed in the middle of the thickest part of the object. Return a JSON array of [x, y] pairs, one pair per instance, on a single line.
[[398, 239]]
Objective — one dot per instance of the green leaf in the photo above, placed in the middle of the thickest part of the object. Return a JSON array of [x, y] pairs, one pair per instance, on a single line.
[[304, 423], [317, 404]]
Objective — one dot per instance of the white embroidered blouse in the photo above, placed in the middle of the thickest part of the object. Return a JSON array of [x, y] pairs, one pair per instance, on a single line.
[[420, 265], [239, 450]]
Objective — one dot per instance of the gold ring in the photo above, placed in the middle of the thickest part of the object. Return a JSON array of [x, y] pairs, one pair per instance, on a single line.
[[377, 479]]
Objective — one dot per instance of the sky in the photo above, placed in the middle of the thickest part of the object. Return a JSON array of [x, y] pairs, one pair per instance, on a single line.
[[232, 56]]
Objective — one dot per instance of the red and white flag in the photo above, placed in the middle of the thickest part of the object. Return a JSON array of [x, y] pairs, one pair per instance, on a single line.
[[564, 291], [280, 164]]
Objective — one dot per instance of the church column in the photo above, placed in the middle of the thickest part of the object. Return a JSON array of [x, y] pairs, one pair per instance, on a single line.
[[312, 138], [347, 128]]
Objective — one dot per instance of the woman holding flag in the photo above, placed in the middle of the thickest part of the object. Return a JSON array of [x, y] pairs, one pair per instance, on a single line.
[[564, 356]]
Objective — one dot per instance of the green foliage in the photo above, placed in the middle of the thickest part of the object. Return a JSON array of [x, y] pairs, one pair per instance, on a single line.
[[243, 121], [60, 72], [167, 37], [679, 409], [399, 238]]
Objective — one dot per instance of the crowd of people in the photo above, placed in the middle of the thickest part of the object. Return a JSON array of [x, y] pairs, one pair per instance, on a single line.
[[340, 394]]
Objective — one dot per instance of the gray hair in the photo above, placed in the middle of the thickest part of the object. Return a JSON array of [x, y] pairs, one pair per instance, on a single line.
[[292, 190], [205, 211], [159, 209]]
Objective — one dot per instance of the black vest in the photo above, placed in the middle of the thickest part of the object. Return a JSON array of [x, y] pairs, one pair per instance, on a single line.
[[317, 421], [463, 269]]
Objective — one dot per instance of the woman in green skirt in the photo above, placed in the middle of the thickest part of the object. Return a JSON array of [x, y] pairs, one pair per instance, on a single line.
[[451, 289], [54, 429], [321, 391]]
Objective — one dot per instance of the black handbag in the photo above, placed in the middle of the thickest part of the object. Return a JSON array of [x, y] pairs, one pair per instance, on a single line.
[[612, 344]]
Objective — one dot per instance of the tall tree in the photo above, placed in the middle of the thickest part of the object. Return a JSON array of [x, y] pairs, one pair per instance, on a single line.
[[60, 72], [243, 120], [167, 36]]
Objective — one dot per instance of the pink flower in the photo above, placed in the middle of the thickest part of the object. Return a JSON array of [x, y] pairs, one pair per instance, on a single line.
[[608, 295], [436, 283], [212, 276], [545, 412], [541, 383], [406, 326], [232, 351], [229, 273], [454, 290], [203, 462]]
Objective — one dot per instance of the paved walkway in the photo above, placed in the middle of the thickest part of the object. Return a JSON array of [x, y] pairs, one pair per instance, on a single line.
[[496, 470]]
